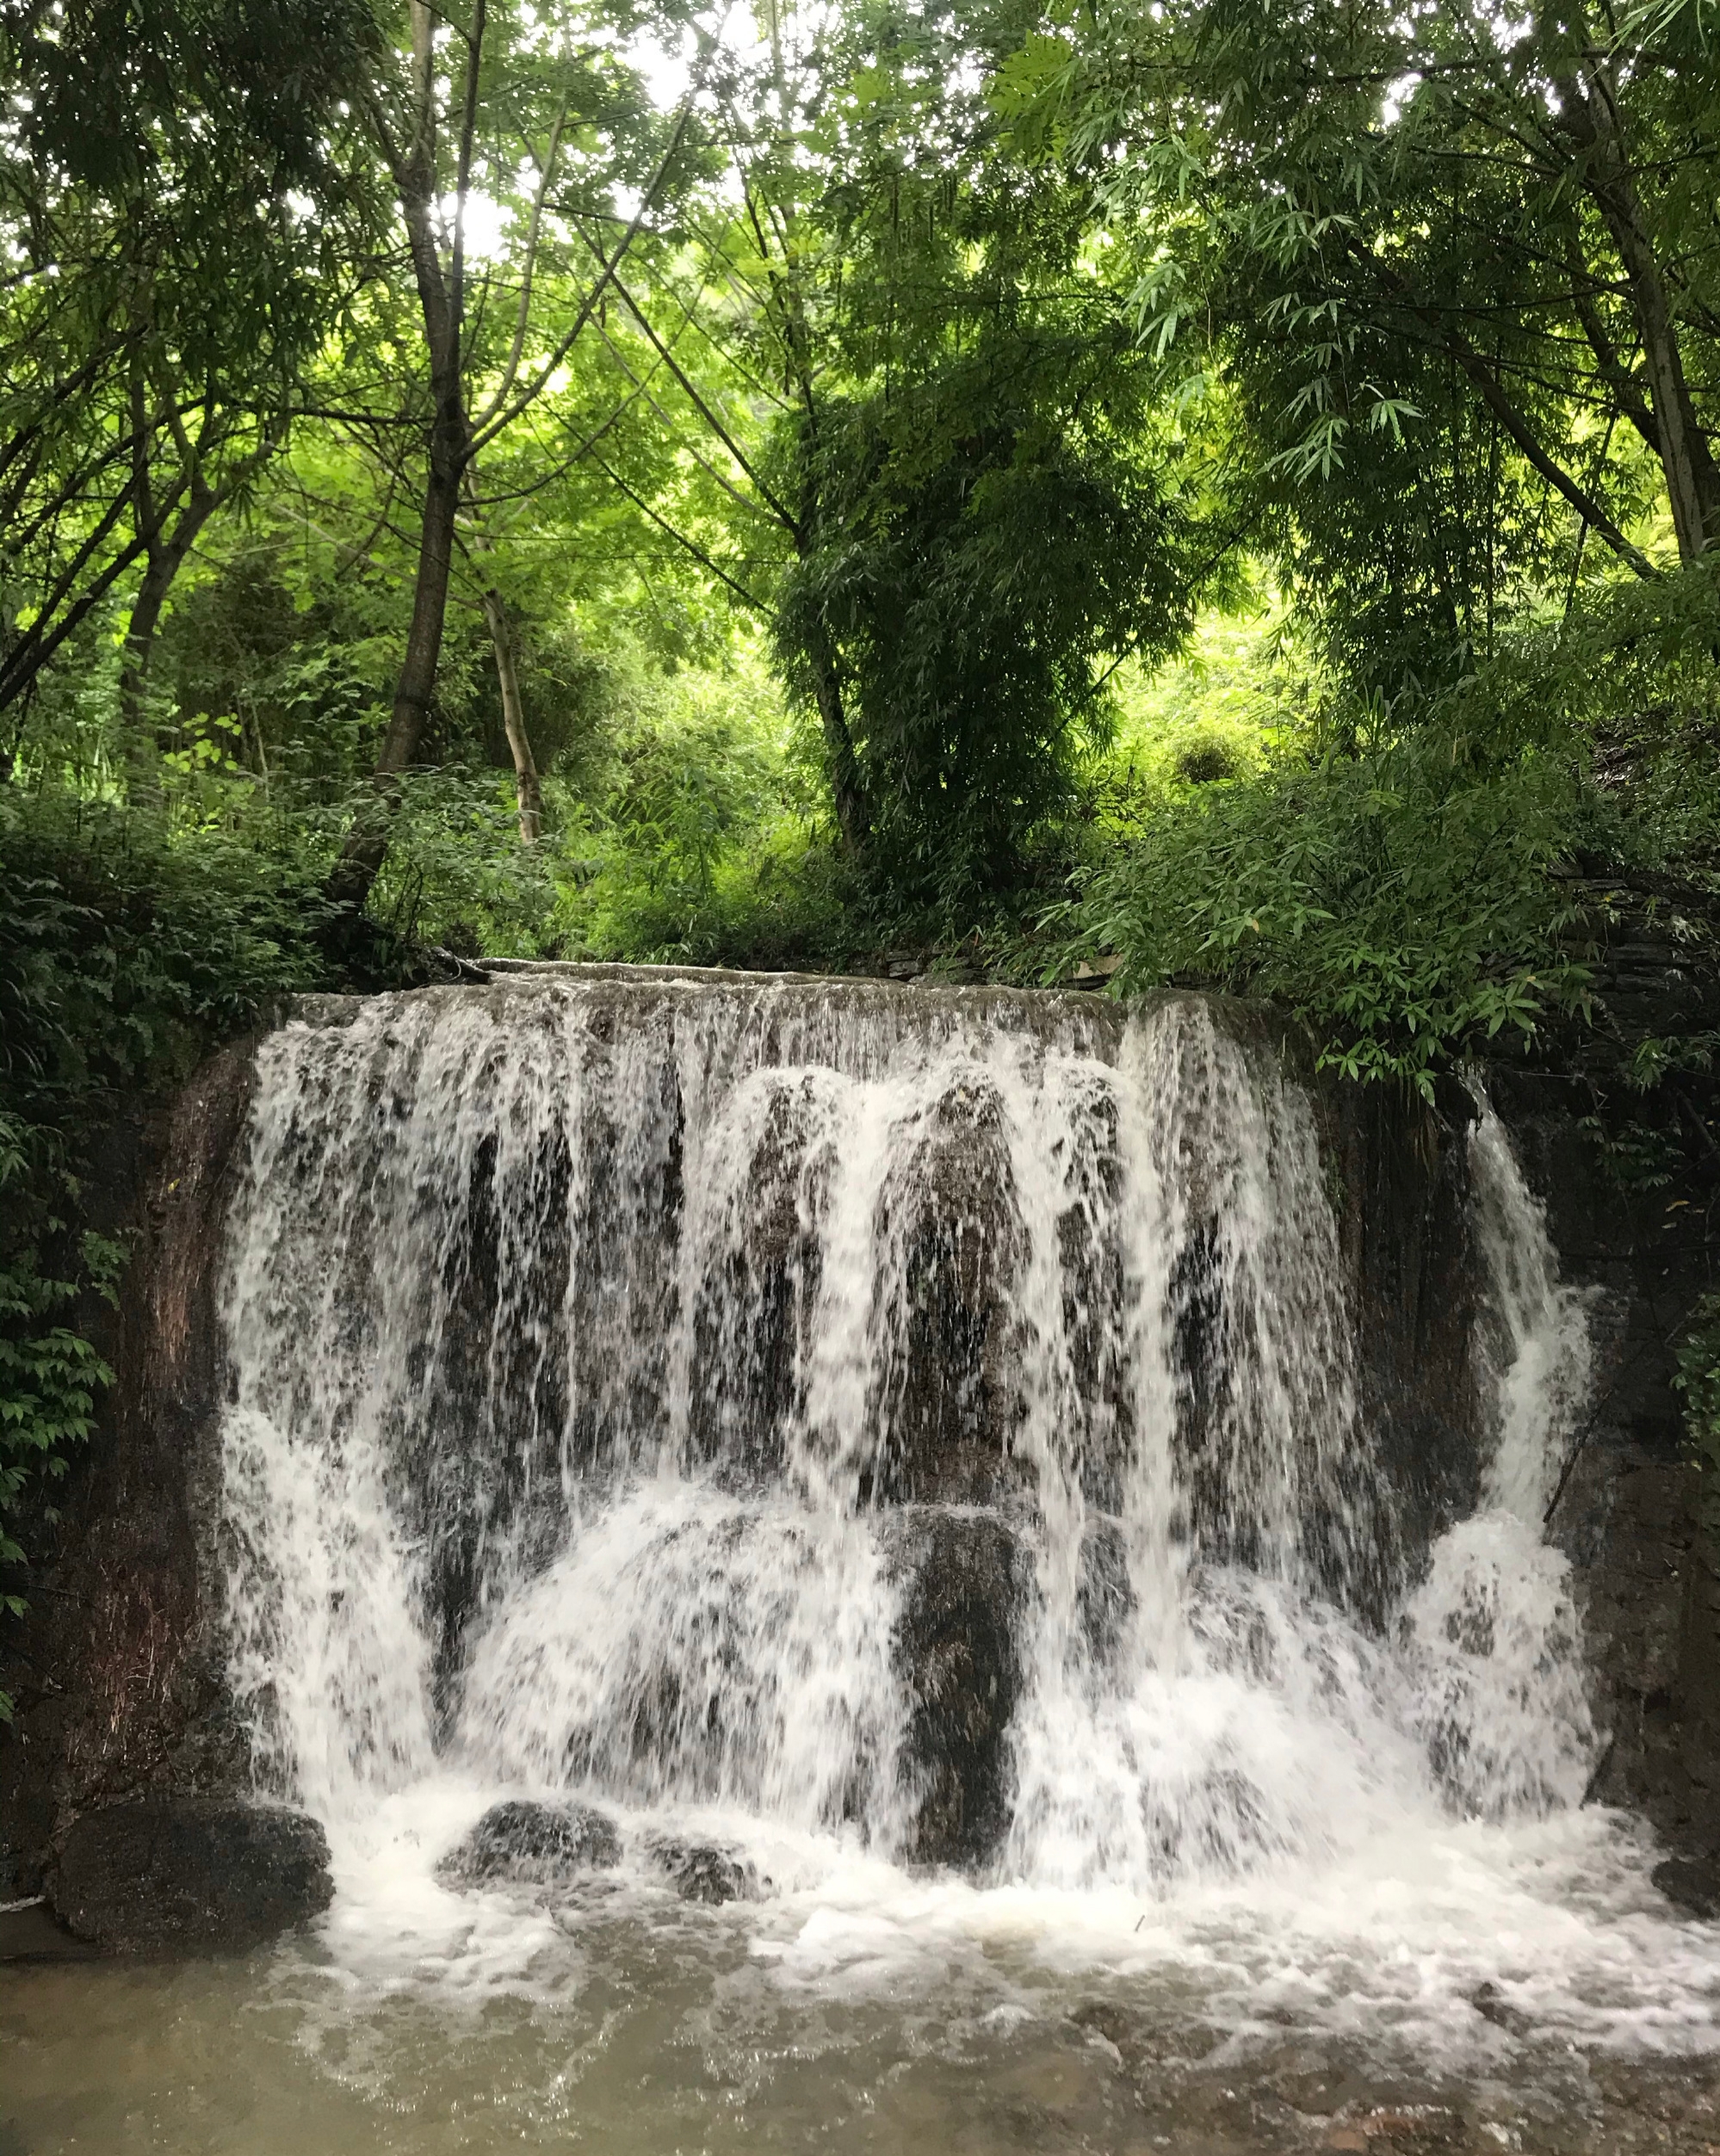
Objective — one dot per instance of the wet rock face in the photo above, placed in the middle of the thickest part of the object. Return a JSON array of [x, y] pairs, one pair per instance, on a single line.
[[757, 1303], [956, 1645], [949, 1395], [1397, 1173], [118, 1667], [700, 1871], [1692, 1883], [524, 1844], [1628, 1509], [189, 1875]]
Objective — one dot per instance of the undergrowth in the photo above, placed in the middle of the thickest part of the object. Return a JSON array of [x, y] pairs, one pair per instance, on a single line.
[[1410, 881], [125, 955]]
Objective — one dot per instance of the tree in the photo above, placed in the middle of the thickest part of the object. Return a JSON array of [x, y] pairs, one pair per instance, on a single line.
[[524, 94], [918, 409], [1451, 261], [179, 229]]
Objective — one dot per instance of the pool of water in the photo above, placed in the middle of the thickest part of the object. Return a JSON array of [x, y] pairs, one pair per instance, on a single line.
[[1474, 1987]]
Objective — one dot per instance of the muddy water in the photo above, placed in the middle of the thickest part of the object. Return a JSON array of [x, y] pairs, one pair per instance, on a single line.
[[1484, 1989]]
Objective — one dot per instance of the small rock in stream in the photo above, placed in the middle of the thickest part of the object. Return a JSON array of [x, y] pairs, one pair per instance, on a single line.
[[1491, 2004], [699, 1871], [531, 1845]]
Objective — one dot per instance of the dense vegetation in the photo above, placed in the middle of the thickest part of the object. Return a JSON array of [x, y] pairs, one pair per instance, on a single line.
[[1229, 486]]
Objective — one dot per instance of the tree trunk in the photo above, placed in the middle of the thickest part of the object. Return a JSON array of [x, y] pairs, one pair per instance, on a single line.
[[526, 781], [1692, 479], [142, 750], [439, 300], [367, 842], [1589, 108], [853, 819], [164, 561]]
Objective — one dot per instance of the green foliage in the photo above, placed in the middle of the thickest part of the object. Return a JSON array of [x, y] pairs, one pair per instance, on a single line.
[[49, 1373], [123, 956], [1400, 885], [1398, 901], [1413, 264], [984, 540], [180, 231], [1698, 1379], [706, 848], [123, 950], [456, 873], [1239, 688]]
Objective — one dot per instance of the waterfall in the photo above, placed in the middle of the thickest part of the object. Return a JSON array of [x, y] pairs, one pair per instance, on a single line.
[[1496, 1639], [923, 1419]]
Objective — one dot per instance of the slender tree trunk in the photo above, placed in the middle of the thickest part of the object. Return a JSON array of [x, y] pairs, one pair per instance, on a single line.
[[526, 781], [848, 794], [1588, 106], [439, 300], [164, 559], [367, 843], [1692, 479], [527, 787], [137, 733]]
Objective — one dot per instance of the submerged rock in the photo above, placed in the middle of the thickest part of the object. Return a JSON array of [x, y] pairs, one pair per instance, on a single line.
[[532, 1844], [186, 1875], [1492, 2004], [700, 1871]]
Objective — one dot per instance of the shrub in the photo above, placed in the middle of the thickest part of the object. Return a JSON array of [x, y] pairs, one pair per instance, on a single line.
[[123, 956], [1396, 887]]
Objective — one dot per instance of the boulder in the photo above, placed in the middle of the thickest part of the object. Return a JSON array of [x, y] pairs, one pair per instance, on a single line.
[[188, 1874], [700, 1871], [524, 1844], [1692, 1882]]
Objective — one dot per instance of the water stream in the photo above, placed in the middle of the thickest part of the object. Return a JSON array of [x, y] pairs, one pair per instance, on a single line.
[[908, 1441]]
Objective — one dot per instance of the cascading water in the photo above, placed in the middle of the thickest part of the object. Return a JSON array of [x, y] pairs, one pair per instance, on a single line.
[[1495, 1641], [890, 1428]]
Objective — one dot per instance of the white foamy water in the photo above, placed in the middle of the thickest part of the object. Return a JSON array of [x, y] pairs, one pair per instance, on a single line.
[[909, 1438]]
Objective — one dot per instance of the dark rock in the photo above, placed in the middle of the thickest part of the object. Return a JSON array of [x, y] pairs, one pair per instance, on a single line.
[[947, 1397], [187, 1874], [118, 1667], [955, 1645], [1491, 2004], [1692, 1882], [1104, 1601], [700, 1871], [755, 1308], [1397, 1177], [20, 1878], [532, 1844], [30, 1934], [1630, 1509]]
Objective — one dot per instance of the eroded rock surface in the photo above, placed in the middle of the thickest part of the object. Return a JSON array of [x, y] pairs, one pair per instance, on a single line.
[[956, 1645], [1692, 1882], [188, 1874], [700, 1871], [526, 1844]]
